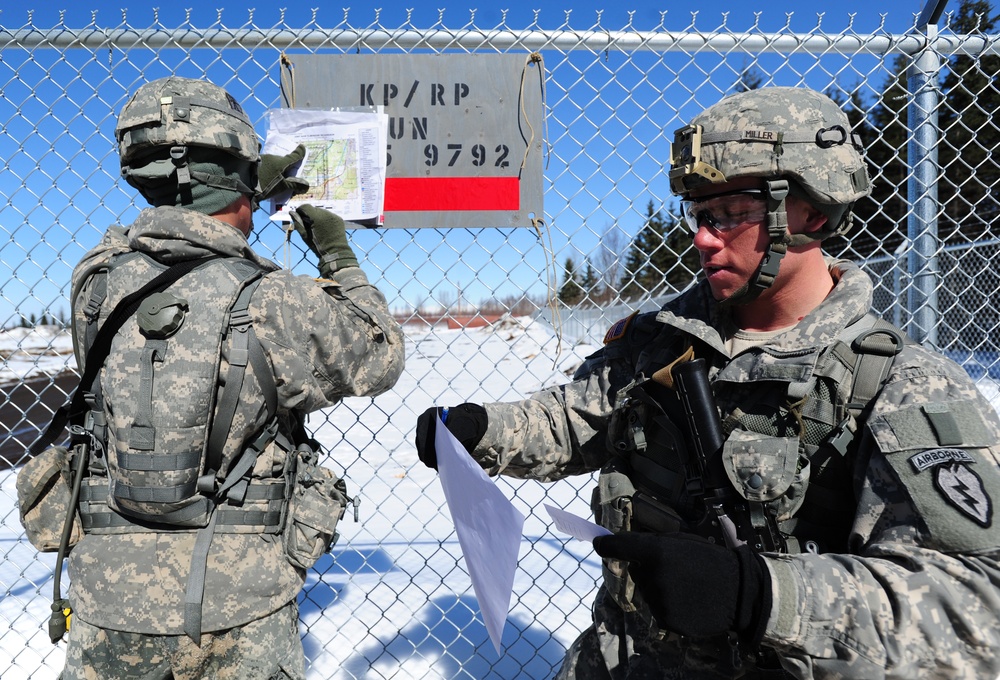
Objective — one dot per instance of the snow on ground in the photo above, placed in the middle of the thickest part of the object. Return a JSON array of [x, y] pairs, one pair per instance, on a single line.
[[30, 352], [394, 599]]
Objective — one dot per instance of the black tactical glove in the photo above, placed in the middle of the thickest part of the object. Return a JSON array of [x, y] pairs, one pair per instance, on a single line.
[[694, 587], [466, 421], [324, 233], [274, 175]]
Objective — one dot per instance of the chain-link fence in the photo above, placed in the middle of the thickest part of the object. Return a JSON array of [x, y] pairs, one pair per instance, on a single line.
[[394, 600]]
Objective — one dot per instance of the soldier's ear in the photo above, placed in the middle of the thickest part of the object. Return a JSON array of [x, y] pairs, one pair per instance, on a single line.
[[804, 217]]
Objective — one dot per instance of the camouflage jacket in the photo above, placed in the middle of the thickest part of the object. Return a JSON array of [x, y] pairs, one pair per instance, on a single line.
[[908, 584], [323, 339]]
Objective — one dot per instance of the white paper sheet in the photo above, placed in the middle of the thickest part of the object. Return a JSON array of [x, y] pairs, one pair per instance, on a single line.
[[577, 527], [345, 161], [488, 528]]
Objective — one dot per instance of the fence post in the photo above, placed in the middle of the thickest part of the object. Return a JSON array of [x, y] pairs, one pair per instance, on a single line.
[[899, 284], [922, 225]]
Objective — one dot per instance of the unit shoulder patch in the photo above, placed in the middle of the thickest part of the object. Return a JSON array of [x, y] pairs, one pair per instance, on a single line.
[[957, 482], [964, 489]]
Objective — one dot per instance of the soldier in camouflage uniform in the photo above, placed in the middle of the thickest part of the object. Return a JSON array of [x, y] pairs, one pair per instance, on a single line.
[[187, 146], [864, 464]]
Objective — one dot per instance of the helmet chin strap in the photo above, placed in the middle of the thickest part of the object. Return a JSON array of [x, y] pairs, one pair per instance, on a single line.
[[777, 246]]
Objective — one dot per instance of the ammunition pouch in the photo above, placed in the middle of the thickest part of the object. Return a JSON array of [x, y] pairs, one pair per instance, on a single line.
[[644, 434], [639, 489], [767, 469], [319, 500], [649, 514], [44, 495], [611, 504], [772, 476]]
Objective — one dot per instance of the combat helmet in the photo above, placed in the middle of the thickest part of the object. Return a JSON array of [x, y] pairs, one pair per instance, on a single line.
[[798, 141], [168, 119]]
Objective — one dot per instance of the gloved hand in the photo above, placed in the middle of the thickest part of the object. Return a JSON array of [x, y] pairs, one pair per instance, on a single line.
[[694, 587], [324, 233], [466, 421], [273, 175]]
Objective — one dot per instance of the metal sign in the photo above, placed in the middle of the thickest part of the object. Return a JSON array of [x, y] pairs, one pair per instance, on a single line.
[[465, 130]]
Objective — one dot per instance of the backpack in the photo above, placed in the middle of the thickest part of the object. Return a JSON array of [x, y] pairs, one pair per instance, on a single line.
[[152, 446], [143, 457], [166, 421]]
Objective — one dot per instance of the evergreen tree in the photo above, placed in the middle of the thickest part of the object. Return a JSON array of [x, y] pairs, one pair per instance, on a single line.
[[640, 279], [661, 258], [969, 187], [570, 292], [590, 283], [969, 191], [873, 232], [750, 79], [881, 218], [687, 262]]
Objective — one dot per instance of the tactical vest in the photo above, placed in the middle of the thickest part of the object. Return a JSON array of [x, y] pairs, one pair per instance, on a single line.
[[790, 442]]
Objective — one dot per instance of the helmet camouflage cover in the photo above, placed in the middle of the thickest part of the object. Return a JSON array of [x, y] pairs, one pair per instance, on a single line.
[[778, 132], [182, 112]]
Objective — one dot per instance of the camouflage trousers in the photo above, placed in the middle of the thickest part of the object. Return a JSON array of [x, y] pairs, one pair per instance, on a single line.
[[269, 649], [621, 646]]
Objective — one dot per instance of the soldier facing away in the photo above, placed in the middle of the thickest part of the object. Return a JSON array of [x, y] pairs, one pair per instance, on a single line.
[[202, 500], [831, 517]]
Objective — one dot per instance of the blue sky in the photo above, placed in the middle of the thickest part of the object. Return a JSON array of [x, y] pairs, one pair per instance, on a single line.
[[467, 259], [425, 12]]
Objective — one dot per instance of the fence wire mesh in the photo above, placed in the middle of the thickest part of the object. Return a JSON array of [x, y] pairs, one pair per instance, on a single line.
[[394, 599]]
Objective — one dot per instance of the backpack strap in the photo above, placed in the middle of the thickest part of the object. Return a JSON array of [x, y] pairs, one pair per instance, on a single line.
[[92, 310], [245, 349], [866, 350], [195, 594], [869, 347], [229, 516], [876, 349]]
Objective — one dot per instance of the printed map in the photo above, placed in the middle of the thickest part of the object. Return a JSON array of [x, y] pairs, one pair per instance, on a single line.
[[331, 168]]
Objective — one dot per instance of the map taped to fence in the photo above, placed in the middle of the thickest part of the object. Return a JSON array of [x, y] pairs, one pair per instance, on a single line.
[[345, 161], [464, 133]]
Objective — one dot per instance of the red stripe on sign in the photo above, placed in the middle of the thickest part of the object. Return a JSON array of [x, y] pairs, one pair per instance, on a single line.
[[451, 193]]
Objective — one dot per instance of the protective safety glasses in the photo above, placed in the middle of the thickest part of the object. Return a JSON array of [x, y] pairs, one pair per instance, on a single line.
[[725, 211]]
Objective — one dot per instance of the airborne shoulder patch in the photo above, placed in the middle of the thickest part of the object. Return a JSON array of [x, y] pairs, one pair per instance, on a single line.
[[957, 483], [618, 328], [934, 457]]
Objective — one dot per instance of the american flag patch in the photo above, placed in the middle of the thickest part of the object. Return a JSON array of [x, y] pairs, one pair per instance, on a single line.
[[618, 329]]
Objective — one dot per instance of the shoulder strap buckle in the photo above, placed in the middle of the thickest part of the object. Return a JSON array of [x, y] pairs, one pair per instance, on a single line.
[[883, 340]]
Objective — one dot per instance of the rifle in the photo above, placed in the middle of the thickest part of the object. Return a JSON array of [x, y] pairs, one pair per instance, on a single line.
[[725, 516]]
